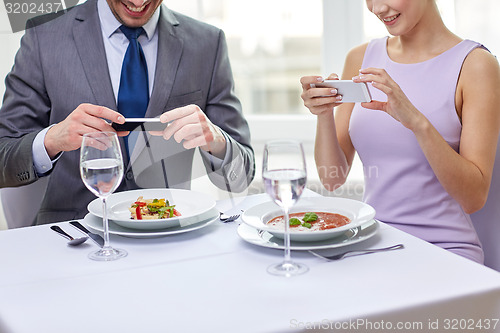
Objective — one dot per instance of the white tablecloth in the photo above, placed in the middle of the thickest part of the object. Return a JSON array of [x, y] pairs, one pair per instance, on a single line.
[[210, 280]]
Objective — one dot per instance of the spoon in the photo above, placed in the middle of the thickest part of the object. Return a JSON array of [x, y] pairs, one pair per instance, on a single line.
[[72, 241]]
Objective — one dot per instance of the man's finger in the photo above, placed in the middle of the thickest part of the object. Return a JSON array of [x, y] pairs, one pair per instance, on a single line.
[[103, 112], [178, 113]]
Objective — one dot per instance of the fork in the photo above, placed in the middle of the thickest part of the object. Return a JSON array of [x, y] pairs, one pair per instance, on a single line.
[[225, 218], [358, 252]]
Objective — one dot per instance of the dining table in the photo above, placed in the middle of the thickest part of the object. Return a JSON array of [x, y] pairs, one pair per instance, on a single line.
[[211, 279]]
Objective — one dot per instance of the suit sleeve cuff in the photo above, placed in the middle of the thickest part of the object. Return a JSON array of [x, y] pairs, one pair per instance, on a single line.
[[41, 160], [217, 163]]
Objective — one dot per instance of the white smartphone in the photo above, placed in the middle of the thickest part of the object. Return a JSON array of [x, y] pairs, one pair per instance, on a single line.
[[140, 124], [352, 92]]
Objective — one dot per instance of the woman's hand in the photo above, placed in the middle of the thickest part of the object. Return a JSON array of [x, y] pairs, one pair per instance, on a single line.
[[398, 105], [319, 100]]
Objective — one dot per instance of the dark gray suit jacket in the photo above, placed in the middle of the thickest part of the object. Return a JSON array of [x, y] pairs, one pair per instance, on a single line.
[[62, 63]]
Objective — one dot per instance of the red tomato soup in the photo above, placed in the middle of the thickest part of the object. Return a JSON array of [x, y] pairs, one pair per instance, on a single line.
[[325, 221]]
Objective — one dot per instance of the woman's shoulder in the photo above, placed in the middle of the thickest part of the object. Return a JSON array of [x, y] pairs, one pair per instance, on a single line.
[[479, 79], [481, 56], [357, 51], [378, 43], [354, 60], [355, 56], [479, 63]]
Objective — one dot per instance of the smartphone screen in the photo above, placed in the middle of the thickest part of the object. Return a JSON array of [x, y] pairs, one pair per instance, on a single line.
[[352, 92], [140, 124]]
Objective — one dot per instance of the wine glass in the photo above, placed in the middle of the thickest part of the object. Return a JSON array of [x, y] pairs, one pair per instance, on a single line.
[[284, 173], [101, 169]]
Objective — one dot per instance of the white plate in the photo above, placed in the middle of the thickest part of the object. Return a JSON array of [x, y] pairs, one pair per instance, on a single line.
[[358, 212], [194, 207], [94, 223], [348, 237]]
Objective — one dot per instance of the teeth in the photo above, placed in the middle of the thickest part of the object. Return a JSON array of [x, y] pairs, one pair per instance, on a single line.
[[136, 9], [392, 18]]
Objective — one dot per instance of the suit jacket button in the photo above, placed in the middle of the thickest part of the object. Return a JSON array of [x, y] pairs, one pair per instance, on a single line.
[[129, 175], [233, 176]]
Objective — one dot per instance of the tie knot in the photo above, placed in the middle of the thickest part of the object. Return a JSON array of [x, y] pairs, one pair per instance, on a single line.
[[131, 33]]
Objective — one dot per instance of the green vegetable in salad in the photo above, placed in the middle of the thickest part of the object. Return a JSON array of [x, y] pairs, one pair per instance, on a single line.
[[295, 221]]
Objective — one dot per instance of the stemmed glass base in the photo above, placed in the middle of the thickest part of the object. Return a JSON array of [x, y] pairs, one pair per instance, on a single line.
[[287, 269], [108, 254]]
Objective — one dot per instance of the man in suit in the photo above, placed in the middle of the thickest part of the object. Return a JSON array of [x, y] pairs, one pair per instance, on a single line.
[[65, 82]]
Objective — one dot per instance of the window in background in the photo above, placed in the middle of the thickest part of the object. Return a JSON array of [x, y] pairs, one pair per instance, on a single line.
[[478, 20], [271, 45]]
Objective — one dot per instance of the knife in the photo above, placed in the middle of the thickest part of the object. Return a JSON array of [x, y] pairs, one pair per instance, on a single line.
[[95, 237]]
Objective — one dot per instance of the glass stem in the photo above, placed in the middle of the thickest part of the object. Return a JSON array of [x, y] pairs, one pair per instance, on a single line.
[[105, 223], [288, 258]]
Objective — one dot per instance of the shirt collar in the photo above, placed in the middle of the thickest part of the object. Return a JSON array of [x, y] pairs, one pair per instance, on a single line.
[[110, 24]]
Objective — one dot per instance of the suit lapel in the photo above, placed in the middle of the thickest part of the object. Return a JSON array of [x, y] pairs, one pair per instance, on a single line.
[[88, 40], [169, 55]]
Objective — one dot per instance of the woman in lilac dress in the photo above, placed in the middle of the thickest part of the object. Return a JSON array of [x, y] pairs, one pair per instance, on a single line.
[[427, 140]]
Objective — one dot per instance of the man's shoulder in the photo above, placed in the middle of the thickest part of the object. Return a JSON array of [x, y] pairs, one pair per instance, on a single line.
[[57, 19], [188, 23]]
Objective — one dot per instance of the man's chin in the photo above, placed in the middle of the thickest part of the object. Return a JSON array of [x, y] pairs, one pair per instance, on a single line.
[[134, 22]]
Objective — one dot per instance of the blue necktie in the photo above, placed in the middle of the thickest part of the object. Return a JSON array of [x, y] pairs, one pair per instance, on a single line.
[[133, 95]]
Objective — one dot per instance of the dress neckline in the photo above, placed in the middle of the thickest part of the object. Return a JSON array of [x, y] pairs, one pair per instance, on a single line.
[[386, 52]]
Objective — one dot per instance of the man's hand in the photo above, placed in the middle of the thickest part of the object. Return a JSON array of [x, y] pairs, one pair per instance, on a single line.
[[67, 135], [189, 123]]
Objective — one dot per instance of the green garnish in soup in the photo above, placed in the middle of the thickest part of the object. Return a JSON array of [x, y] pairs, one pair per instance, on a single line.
[[310, 217], [309, 221]]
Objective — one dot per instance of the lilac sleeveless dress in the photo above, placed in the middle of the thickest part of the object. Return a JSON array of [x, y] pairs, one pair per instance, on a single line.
[[399, 182]]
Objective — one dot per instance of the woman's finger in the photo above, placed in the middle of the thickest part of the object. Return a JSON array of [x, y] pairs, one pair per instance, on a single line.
[[372, 70], [306, 81], [374, 105], [382, 87]]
